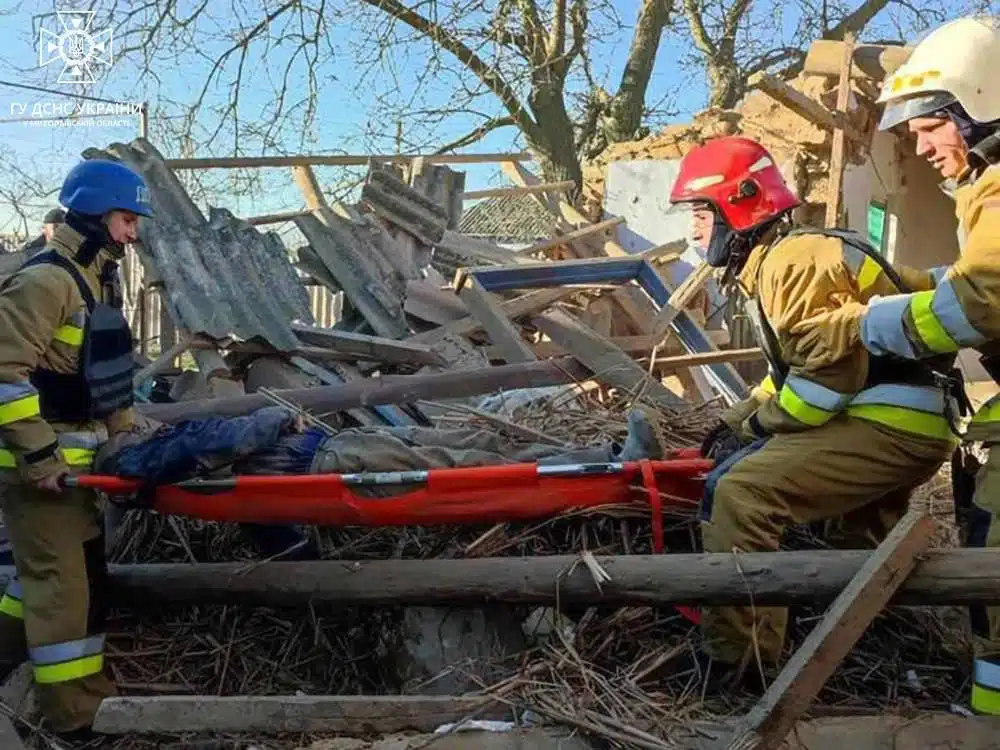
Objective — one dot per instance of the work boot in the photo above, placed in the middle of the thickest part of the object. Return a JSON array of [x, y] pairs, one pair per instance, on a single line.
[[643, 439]]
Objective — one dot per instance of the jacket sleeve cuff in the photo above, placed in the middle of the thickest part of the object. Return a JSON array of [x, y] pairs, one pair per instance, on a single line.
[[34, 465]]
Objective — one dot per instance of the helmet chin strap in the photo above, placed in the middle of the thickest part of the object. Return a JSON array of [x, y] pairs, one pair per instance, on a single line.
[[95, 237]]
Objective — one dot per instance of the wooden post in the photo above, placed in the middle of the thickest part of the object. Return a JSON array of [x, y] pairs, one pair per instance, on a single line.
[[503, 333], [836, 184], [305, 178], [829, 642]]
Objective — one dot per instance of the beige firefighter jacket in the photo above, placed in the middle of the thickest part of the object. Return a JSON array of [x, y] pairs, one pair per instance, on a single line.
[[812, 289], [42, 318]]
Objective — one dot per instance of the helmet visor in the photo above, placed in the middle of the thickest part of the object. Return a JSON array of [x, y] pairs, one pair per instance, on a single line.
[[902, 110]]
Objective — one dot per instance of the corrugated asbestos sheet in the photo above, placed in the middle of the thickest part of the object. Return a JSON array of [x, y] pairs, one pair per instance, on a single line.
[[221, 275]]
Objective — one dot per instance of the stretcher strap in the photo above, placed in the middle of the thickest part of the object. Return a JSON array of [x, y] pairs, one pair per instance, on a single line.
[[655, 504], [656, 509]]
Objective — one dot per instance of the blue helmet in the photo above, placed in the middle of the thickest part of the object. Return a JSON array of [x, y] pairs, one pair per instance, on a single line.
[[96, 186]]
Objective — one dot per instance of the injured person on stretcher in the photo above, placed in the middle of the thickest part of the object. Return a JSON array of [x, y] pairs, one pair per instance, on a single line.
[[273, 440]]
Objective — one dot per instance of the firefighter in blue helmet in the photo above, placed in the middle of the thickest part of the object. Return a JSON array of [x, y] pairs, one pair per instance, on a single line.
[[66, 371]]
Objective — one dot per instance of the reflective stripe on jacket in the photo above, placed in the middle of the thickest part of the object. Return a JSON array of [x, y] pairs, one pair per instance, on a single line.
[[963, 309], [811, 289]]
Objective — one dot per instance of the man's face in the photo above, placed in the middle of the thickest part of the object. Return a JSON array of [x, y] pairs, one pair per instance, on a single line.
[[939, 141], [702, 222], [48, 230], [123, 226]]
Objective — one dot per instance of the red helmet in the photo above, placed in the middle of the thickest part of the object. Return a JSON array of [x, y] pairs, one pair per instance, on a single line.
[[738, 177]]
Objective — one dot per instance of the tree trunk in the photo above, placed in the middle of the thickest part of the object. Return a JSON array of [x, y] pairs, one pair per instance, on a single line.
[[551, 140], [726, 85]]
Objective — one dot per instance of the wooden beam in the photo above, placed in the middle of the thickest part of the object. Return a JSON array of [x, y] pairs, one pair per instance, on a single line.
[[787, 578], [641, 346], [545, 187], [577, 234], [526, 304], [305, 178], [337, 714], [432, 303], [239, 162], [487, 311], [871, 62], [368, 347], [835, 185], [164, 362], [803, 105], [608, 363], [679, 299], [829, 642], [275, 218], [389, 389]]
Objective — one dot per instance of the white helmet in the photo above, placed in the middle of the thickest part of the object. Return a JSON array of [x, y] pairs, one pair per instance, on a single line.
[[954, 63]]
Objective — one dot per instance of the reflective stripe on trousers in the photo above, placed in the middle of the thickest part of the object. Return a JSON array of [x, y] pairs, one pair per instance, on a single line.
[[986, 687], [70, 660], [11, 603], [910, 408]]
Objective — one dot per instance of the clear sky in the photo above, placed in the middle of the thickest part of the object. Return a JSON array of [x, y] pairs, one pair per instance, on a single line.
[[347, 116]]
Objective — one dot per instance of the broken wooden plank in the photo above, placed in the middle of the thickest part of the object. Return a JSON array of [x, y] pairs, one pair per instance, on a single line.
[[837, 153], [240, 162], [545, 187], [274, 218], [803, 105], [352, 260], [642, 346], [368, 347], [569, 237], [388, 389], [608, 363], [871, 62], [339, 714], [787, 578], [679, 299], [494, 320], [869, 591], [526, 304], [345, 373], [163, 362], [306, 180], [432, 303]]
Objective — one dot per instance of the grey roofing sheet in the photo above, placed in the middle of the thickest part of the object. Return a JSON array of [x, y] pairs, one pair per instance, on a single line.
[[221, 276], [512, 217]]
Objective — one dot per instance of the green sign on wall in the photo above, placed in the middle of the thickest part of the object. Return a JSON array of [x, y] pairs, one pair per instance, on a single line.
[[876, 225]]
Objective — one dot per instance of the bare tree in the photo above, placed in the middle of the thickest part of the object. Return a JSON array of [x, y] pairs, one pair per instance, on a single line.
[[735, 39], [519, 64]]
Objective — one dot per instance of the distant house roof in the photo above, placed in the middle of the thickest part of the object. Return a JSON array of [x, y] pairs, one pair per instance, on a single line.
[[518, 218]]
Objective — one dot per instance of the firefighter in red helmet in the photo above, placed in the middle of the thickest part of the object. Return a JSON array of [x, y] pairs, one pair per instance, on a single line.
[[833, 433]]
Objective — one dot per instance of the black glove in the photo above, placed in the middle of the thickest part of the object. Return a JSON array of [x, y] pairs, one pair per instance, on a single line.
[[721, 442]]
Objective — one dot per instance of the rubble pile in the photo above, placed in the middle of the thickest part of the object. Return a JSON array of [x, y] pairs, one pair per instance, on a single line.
[[566, 353]]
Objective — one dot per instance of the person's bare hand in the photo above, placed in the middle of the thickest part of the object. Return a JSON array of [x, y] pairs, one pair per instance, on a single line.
[[52, 482]]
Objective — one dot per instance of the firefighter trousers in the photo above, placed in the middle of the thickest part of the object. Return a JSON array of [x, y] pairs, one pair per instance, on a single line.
[[856, 474], [54, 611], [984, 531]]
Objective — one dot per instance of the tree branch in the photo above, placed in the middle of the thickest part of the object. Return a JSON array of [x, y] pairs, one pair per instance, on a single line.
[[557, 39], [701, 38], [856, 20], [485, 73], [477, 134]]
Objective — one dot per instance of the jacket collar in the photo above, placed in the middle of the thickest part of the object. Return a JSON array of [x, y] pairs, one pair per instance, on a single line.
[[66, 241]]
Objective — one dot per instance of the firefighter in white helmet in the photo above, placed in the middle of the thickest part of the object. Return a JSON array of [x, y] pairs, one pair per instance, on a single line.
[[947, 96]]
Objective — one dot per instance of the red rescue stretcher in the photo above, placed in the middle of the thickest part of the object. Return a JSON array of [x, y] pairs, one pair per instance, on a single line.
[[485, 494]]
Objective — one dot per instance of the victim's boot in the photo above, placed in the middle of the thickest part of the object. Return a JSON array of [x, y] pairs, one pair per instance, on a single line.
[[642, 441]]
